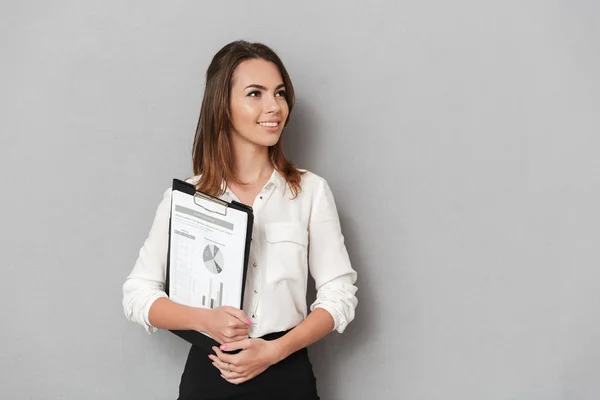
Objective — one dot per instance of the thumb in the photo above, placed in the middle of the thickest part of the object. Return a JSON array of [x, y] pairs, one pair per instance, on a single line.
[[239, 345], [239, 314]]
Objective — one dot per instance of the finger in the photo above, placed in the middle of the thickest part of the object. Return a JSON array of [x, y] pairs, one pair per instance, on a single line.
[[239, 314], [229, 335], [239, 345], [233, 339], [234, 377], [234, 323], [235, 381], [224, 366], [218, 365], [228, 370], [235, 331], [229, 375], [224, 357]]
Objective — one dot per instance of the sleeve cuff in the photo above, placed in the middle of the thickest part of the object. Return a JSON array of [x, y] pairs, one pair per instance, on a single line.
[[147, 325], [339, 323]]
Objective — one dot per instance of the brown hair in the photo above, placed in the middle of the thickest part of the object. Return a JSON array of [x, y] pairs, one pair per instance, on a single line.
[[211, 152]]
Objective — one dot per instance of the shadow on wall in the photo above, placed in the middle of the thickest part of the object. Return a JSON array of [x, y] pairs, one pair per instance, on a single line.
[[299, 136], [330, 354]]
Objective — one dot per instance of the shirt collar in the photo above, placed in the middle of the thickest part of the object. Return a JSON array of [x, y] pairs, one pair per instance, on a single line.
[[276, 179]]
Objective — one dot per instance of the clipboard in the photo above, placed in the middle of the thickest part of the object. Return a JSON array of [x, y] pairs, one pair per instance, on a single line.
[[210, 212]]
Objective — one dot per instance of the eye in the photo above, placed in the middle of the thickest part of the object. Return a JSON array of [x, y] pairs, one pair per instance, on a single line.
[[281, 93], [255, 93]]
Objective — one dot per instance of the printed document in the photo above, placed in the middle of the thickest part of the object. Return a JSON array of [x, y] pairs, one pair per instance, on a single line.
[[207, 253]]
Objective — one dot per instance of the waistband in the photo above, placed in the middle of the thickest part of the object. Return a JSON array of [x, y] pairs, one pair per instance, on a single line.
[[274, 335], [268, 337]]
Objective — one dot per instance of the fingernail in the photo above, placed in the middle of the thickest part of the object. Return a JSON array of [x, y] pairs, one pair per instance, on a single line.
[[248, 321], [222, 377], [223, 346]]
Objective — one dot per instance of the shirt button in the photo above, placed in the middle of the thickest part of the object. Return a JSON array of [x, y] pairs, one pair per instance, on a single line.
[[253, 316], [254, 265], [255, 291]]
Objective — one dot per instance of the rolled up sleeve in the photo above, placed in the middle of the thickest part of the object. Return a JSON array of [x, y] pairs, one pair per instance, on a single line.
[[146, 282], [329, 262]]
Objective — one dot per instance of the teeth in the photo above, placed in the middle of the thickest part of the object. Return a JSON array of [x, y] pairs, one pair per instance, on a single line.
[[270, 124]]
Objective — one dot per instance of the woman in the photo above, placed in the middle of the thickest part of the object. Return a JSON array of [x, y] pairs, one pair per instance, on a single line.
[[238, 155]]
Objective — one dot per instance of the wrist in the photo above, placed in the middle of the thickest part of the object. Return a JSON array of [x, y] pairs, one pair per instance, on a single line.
[[198, 319], [280, 349]]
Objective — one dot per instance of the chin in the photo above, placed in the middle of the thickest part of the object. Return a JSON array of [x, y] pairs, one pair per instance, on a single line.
[[261, 139], [268, 141]]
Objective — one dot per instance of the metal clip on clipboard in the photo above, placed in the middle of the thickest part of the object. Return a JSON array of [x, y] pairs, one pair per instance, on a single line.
[[211, 204]]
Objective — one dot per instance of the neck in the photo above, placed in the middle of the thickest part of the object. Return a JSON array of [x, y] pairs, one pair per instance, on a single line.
[[251, 163]]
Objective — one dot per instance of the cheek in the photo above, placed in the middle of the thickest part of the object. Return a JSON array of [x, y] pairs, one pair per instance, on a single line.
[[285, 111], [243, 115]]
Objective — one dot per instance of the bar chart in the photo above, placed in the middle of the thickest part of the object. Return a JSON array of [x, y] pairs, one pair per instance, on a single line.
[[214, 299]]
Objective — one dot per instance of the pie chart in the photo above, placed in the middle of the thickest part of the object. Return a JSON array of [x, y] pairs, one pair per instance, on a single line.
[[213, 259]]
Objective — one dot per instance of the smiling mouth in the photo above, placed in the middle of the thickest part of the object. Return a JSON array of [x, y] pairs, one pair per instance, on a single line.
[[269, 124]]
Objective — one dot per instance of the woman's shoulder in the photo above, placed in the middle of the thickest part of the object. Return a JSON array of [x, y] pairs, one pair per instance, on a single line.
[[315, 187], [311, 182], [193, 179]]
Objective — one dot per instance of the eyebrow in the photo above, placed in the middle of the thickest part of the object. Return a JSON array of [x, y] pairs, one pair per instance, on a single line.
[[261, 87]]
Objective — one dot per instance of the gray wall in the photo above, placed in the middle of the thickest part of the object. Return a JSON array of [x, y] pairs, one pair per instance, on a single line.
[[460, 139]]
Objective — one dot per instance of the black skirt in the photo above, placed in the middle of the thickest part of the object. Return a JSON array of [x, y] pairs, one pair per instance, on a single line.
[[290, 379]]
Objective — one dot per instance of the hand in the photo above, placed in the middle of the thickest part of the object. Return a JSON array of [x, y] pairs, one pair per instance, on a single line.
[[227, 324], [256, 356]]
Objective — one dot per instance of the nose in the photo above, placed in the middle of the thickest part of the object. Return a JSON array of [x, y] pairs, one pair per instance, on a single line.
[[272, 105]]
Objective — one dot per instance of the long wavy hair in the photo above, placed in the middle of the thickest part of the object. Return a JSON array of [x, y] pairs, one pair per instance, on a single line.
[[211, 152]]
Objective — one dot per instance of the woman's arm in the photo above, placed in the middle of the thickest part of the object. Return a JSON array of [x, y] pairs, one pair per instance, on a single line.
[[314, 327], [146, 303], [166, 314], [333, 309], [146, 281], [334, 278], [224, 324], [257, 354]]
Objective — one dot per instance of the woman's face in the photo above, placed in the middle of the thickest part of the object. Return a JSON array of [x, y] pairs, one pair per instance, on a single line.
[[258, 106]]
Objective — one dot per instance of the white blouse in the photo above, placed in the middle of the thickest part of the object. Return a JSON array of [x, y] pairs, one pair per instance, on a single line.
[[290, 237]]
